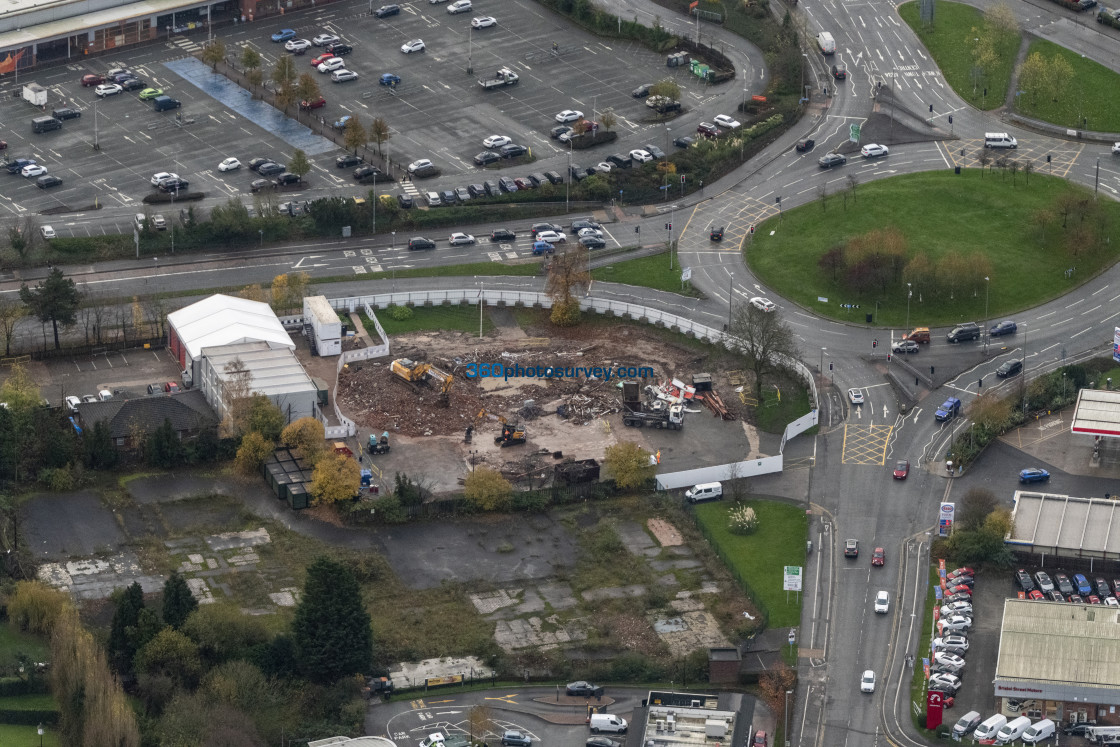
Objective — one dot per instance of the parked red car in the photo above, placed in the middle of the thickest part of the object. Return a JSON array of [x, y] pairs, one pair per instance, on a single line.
[[92, 80], [309, 105], [321, 59]]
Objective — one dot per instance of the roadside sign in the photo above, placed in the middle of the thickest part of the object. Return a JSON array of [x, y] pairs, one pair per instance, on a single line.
[[854, 136], [686, 274], [791, 578]]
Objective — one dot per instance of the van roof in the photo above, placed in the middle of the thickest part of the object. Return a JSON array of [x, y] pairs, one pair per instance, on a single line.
[[707, 485]]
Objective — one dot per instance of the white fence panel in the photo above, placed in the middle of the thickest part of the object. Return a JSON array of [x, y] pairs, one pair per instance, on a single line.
[[719, 473]]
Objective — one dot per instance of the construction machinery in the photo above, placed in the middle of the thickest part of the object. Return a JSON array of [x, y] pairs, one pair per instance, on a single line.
[[416, 374], [658, 414], [511, 435], [378, 446]]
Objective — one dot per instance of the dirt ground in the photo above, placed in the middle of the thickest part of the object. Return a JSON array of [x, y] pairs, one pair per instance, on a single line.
[[428, 435]]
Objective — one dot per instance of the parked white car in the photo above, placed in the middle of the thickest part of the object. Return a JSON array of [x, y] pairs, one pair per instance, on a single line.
[[415, 45], [953, 643], [460, 6], [552, 237], [956, 622], [641, 156], [496, 141], [956, 608], [334, 63], [415, 166], [569, 115], [946, 659], [483, 22], [229, 164], [725, 121], [460, 239], [295, 45]]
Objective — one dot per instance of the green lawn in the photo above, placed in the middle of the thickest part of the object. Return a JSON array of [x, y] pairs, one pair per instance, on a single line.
[[27, 736], [759, 558], [950, 42], [780, 407], [424, 318], [649, 272], [1081, 105], [13, 641], [44, 702], [976, 212]]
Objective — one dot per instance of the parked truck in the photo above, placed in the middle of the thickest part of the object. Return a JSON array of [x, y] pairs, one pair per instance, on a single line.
[[1109, 16], [33, 93], [950, 409], [659, 414], [504, 77]]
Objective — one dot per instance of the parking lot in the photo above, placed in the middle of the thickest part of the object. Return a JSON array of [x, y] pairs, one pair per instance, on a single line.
[[437, 111], [124, 373]]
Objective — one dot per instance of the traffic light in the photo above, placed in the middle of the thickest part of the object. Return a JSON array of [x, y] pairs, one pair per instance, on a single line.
[[931, 108], [888, 357], [979, 382], [931, 370], [668, 226], [637, 229], [874, 344], [830, 365], [950, 119]]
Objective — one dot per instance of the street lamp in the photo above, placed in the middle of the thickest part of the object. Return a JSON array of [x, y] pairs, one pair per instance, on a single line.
[[786, 709], [261, 232], [40, 730], [568, 181], [821, 369], [730, 299], [909, 293], [987, 321], [666, 138]]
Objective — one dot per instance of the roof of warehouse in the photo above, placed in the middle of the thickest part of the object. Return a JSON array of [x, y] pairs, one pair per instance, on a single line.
[[1065, 524], [70, 23], [1097, 413], [1077, 644], [275, 370], [223, 320]]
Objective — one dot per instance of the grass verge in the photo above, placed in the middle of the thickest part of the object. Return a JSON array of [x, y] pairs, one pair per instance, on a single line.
[[950, 42], [13, 642], [990, 214], [427, 318], [918, 679], [28, 703], [759, 558], [1081, 105], [12, 734], [779, 407], [648, 272]]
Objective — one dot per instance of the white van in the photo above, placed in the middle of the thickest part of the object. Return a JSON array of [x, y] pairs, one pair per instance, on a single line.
[[1044, 729], [705, 491], [967, 723], [990, 728], [1012, 730], [608, 723], [999, 140], [826, 43]]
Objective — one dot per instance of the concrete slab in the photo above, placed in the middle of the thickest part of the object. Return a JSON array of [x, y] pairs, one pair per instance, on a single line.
[[558, 596], [614, 592], [415, 673], [493, 601], [636, 539], [98, 578], [237, 540], [700, 631], [65, 525], [669, 565]]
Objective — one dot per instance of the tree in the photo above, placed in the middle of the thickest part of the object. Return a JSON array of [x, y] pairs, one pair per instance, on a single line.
[[299, 165], [122, 632], [480, 719], [100, 453], [253, 453], [170, 654], [55, 299], [379, 132], [264, 417], [178, 601], [307, 435], [975, 507], [629, 464], [607, 119], [252, 293], [1060, 74], [1001, 19], [34, 607], [567, 271], [224, 632], [666, 87], [773, 684], [487, 490], [284, 75], [10, 315], [354, 135], [336, 477], [764, 340], [20, 391], [164, 447], [19, 241], [250, 58], [213, 53], [331, 628], [1033, 74], [289, 290], [235, 396], [307, 89]]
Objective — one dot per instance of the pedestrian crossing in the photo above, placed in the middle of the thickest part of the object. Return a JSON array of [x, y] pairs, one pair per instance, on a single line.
[[185, 44]]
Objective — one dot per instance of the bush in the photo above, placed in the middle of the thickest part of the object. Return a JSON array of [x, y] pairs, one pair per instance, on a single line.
[[400, 313], [155, 198], [742, 520]]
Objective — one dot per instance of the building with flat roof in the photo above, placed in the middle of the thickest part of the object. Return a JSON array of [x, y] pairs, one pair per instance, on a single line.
[[684, 719], [1059, 661], [273, 371], [1065, 526]]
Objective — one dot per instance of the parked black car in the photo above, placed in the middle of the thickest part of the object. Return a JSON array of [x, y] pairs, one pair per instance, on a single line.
[[507, 184], [342, 162], [387, 10], [339, 50], [66, 113], [582, 688], [419, 242], [502, 234], [287, 178], [486, 157], [684, 141], [174, 185], [405, 201], [554, 177], [513, 150], [269, 168], [366, 172], [476, 190], [654, 151]]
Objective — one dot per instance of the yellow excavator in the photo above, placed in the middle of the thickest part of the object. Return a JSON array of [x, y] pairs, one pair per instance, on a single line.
[[418, 373]]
